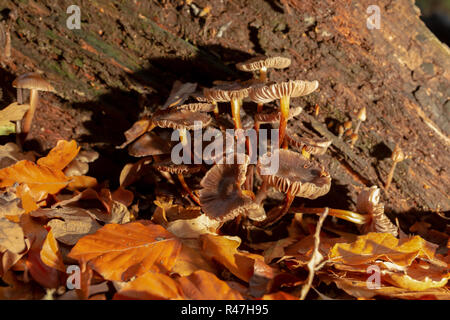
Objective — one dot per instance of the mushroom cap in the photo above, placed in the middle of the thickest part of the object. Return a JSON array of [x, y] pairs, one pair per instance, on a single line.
[[32, 80], [316, 146], [221, 196], [362, 114], [274, 116], [150, 144], [168, 166], [257, 63], [181, 119], [302, 177], [194, 107], [226, 92], [276, 90]]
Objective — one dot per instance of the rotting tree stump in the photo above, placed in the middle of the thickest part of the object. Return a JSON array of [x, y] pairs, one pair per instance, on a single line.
[[128, 54]]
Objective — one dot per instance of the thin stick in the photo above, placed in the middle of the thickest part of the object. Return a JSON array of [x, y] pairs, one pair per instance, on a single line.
[[316, 257]]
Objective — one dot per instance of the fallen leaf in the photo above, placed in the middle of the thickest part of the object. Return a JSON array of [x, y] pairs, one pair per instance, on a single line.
[[11, 236], [223, 249], [50, 254], [40, 179], [200, 285], [60, 156], [68, 224], [280, 295], [383, 246], [10, 153], [192, 228], [13, 112], [191, 259], [119, 252]]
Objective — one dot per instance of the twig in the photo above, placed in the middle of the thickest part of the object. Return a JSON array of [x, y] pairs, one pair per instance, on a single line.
[[315, 258]]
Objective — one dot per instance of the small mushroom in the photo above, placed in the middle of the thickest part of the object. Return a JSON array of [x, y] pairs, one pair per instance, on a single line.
[[222, 197], [282, 91], [368, 203], [194, 107], [262, 63], [397, 156], [35, 83], [181, 120], [341, 131], [200, 97], [353, 138], [180, 170], [296, 177], [308, 145], [229, 92], [274, 116], [150, 144], [362, 116]]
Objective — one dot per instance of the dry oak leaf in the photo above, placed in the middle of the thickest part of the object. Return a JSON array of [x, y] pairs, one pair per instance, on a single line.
[[60, 156], [382, 246], [193, 228], [120, 252], [200, 285], [223, 249]]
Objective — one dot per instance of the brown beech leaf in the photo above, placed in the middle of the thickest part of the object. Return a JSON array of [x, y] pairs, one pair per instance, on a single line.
[[356, 286], [60, 156], [193, 228], [69, 224], [383, 246], [40, 179], [191, 259], [10, 204], [50, 254], [200, 285], [120, 252], [11, 236], [223, 249], [280, 295], [418, 277]]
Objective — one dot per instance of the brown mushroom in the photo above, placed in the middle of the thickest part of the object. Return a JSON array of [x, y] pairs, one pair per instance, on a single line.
[[397, 156], [222, 197], [230, 92], [362, 116], [262, 63], [35, 83], [282, 91], [194, 107], [150, 144], [181, 120], [200, 97], [296, 177], [180, 170], [308, 145], [368, 202]]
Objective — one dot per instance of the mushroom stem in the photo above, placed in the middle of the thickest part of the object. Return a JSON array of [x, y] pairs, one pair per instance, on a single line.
[[358, 124], [338, 213], [19, 96], [263, 74], [262, 193], [390, 176], [216, 110], [284, 105], [235, 111], [271, 219], [187, 189], [34, 100]]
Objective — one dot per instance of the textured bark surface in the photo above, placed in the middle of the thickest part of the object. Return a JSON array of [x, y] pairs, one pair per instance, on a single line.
[[128, 54]]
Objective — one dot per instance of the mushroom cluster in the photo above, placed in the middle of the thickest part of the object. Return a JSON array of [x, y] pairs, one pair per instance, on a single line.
[[238, 189]]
